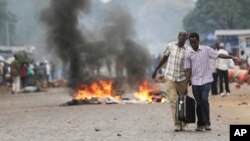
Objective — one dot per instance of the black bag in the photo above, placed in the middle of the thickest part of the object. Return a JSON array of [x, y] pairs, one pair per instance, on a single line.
[[185, 109]]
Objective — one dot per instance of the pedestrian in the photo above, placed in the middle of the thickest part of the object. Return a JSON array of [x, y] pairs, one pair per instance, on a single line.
[[48, 71], [40, 72], [199, 73], [222, 69], [23, 71], [174, 73], [15, 74], [213, 64], [1, 72]]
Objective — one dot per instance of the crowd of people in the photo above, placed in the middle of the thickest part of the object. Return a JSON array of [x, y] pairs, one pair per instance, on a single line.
[[19, 75]]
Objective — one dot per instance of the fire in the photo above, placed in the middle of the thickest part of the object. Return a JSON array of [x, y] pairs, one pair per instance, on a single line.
[[103, 89], [143, 93], [99, 89]]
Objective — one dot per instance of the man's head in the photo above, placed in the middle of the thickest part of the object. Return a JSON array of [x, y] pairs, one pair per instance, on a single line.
[[182, 37], [194, 40], [15, 56], [221, 45], [217, 45]]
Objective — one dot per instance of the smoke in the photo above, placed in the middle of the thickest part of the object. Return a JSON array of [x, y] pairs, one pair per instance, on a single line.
[[66, 40], [119, 34], [136, 60], [63, 35]]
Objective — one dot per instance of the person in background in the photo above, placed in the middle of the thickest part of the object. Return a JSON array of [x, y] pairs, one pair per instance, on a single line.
[[213, 64], [23, 69], [48, 71], [30, 74], [1, 72], [40, 74], [198, 71], [15, 74], [248, 63], [175, 73], [222, 69]]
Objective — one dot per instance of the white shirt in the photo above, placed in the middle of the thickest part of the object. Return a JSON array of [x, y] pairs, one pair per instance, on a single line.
[[223, 64]]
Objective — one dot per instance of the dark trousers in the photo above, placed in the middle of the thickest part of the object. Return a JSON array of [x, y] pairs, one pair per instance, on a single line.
[[23, 81], [214, 84], [223, 77], [202, 109]]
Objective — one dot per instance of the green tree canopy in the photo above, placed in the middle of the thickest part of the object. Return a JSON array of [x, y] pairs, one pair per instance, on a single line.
[[209, 15]]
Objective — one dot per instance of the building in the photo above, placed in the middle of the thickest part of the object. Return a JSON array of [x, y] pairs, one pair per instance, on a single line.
[[7, 52], [237, 42]]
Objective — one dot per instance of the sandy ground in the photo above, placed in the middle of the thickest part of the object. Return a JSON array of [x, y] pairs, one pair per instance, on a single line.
[[38, 117]]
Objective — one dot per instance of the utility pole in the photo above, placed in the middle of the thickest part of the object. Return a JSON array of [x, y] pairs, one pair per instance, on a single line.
[[7, 25], [7, 33]]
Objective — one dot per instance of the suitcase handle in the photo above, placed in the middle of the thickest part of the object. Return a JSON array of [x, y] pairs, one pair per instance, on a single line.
[[181, 102]]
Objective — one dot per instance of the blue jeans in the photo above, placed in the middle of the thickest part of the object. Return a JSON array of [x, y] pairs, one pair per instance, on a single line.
[[202, 109]]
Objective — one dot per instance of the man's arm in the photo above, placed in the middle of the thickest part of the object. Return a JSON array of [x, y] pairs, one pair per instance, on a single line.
[[162, 62], [224, 56]]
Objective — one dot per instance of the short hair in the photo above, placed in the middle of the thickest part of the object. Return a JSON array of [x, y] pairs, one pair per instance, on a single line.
[[15, 56], [194, 35], [183, 32], [221, 45]]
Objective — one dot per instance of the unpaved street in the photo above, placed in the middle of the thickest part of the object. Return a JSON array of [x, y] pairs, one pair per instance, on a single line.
[[38, 117]]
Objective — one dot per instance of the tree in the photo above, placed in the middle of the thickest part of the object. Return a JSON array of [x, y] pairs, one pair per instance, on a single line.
[[7, 21], [208, 16]]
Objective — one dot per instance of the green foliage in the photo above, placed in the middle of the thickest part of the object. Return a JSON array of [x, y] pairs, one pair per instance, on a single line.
[[23, 57], [209, 15]]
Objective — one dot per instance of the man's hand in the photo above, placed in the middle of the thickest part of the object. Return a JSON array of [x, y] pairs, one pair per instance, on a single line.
[[186, 89], [186, 92], [189, 83], [236, 60]]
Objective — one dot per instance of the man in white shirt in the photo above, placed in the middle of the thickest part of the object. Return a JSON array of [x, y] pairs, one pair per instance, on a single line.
[[222, 70], [213, 64]]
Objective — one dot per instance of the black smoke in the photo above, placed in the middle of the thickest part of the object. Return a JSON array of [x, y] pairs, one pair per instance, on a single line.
[[118, 41], [63, 35], [120, 36]]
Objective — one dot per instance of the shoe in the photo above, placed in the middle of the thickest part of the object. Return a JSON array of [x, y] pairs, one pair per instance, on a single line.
[[222, 94], [207, 127], [199, 128], [183, 127], [177, 129], [228, 93]]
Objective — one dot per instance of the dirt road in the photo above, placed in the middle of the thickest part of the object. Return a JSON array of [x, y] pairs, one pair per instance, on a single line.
[[38, 117]]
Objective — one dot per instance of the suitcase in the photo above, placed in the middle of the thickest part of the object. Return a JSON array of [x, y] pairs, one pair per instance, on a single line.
[[185, 109]]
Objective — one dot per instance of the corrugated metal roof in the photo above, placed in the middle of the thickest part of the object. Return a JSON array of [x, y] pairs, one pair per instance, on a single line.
[[232, 32]]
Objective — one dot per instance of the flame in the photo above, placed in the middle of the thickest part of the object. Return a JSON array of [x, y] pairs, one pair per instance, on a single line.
[[99, 89], [143, 93], [103, 89]]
